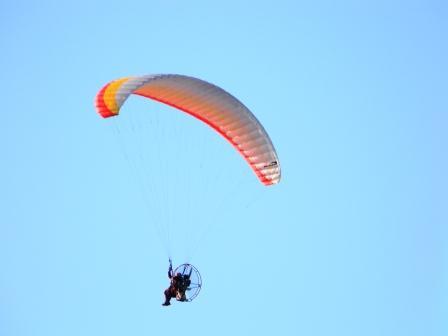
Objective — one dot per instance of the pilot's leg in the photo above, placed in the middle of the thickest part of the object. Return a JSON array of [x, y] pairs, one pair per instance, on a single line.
[[167, 297]]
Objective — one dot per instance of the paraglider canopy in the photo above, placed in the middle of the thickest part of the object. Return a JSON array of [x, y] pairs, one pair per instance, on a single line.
[[206, 102], [192, 274]]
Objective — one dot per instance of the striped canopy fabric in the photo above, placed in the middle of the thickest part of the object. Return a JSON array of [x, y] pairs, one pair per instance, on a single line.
[[206, 102]]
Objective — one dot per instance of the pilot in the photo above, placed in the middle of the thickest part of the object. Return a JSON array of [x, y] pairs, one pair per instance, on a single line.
[[177, 287]]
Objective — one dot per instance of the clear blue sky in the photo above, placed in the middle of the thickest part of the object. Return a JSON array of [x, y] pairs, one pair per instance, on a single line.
[[353, 241]]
